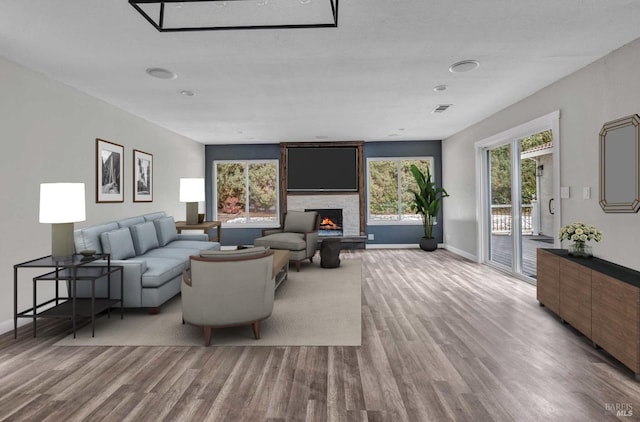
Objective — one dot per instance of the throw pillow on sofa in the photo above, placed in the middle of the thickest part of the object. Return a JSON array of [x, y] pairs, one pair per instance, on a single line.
[[144, 237], [166, 230], [118, 243]]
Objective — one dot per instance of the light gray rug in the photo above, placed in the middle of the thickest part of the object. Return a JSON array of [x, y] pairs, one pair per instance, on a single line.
[[315, 307]]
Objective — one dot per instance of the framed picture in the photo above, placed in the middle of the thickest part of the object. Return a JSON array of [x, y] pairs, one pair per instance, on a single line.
[[142, 176], [109, 171]]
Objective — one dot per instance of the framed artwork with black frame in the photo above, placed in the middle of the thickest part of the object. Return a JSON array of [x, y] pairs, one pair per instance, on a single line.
[[109, 172], [142, 176]]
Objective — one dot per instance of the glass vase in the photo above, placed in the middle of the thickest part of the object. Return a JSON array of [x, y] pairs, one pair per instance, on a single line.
[[580, 250]]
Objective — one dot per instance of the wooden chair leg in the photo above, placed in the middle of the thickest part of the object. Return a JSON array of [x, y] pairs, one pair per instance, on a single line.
[[256, 329], [207, 336], [298, 266]]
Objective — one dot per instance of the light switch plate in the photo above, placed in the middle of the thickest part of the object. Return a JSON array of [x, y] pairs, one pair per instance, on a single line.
[[586, 192], [565, 192]]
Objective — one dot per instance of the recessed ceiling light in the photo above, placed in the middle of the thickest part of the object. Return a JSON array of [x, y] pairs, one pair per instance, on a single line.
[[464, 66], [440, 88], [160, 73], [187, 93]]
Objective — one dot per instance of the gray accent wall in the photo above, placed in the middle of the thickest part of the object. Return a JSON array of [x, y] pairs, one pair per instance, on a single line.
[[405, 234], [387, 234], [235, 236]]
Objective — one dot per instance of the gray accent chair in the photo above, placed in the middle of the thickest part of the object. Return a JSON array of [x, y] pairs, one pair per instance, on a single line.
[[298, 235], [228, 288]]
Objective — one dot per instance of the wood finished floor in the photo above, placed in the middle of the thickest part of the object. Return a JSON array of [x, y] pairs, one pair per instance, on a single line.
[[442, 339]]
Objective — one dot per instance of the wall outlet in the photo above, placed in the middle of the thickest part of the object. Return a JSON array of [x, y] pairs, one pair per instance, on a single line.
[[565, 192], [371, 236], [586, 192]]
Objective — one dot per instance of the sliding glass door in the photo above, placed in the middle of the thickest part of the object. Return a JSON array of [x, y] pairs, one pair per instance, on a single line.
[[519, 206]]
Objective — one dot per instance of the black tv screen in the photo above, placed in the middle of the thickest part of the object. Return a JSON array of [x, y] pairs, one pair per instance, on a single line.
[[322, 169]]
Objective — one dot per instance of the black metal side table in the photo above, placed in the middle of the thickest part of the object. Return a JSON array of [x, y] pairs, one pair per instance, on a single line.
[[72, 270]]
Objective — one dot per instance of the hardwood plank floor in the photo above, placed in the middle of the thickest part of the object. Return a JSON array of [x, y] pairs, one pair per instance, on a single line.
[[442, 339]]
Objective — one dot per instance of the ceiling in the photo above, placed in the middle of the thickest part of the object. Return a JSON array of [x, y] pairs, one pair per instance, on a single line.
[[371, 79]]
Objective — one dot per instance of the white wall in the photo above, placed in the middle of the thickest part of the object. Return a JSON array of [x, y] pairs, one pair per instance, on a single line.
[[48, 132], [605, 90]]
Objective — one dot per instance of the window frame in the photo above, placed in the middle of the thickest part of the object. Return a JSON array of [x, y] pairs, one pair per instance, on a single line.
[[247, 163], [398, 221]]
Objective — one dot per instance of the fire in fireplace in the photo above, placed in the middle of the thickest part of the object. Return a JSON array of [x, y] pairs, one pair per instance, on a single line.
[[330, 221]]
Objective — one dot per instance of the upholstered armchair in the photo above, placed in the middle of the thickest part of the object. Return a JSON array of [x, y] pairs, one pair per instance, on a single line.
[[298, 235], [228, 288]]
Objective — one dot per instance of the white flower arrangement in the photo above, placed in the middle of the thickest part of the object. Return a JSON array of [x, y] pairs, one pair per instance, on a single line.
[[580, 232]]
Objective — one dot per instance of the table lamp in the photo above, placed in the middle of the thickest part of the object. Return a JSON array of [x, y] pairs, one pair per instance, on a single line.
[[62, 204], [192, 192]]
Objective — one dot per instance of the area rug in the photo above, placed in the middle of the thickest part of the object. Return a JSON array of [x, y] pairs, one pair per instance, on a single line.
[[314, 307]]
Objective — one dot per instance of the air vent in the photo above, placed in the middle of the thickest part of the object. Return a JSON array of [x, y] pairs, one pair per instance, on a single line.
[[440, 108]]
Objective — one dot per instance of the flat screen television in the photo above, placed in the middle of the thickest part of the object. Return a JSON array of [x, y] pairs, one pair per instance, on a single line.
[[322, 169]]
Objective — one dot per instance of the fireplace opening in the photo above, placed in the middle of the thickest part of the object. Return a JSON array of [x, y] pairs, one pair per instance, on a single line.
[[330, 221]]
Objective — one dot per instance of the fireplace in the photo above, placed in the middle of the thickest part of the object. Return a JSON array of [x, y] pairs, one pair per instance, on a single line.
[[330, 221]]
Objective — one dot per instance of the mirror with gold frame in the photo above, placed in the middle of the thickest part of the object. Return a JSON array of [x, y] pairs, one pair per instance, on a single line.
[[619, 162]]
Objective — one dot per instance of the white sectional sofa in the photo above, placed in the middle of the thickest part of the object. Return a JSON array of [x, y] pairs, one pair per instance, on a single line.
[[152, 255]]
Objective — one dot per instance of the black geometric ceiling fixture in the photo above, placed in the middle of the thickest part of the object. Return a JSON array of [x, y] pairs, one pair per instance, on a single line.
[[224, 15]]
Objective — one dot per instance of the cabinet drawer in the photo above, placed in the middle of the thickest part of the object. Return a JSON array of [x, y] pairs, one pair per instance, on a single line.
[[548, 280], [616, 319], [575, 296]]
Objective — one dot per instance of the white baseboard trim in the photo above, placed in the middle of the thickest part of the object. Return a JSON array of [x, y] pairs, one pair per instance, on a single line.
[[461, 253], [393, 246], [6, 326]]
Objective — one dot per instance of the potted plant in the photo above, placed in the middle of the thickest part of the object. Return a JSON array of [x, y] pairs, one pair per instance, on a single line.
[[427, 201]]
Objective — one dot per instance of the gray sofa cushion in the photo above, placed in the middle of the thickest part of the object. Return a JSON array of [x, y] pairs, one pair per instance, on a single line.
[[89, 237], [193, 244], [166, 230], [288, 241], [132, 221], [300, 221], [118, 243], [258, 250], [144, 237], [173, 253], [154, 215], [161, 270]]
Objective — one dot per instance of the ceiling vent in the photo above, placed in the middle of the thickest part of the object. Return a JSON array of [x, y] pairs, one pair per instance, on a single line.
[[441, 108]]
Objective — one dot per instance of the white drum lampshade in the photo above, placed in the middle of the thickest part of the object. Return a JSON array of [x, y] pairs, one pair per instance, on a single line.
[[61, 205], [192, 192]]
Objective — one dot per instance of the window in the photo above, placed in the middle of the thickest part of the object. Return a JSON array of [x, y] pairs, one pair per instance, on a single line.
[[389, 185], [246, 193]]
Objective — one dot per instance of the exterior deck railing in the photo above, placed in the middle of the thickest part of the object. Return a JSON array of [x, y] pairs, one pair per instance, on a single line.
[[501, 219]]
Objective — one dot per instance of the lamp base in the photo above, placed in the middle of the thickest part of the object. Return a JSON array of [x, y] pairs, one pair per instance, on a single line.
[[192, 213], [62, 240]]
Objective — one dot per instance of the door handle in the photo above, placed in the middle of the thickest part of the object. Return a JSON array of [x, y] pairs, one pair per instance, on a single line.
[[551, 209]]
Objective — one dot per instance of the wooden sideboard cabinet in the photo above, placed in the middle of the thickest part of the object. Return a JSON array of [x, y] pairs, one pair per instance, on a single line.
[[598, 298]]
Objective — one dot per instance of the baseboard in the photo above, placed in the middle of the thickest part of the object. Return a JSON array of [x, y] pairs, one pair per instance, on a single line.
[[398, 246], [6, 326], [460, 252]]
